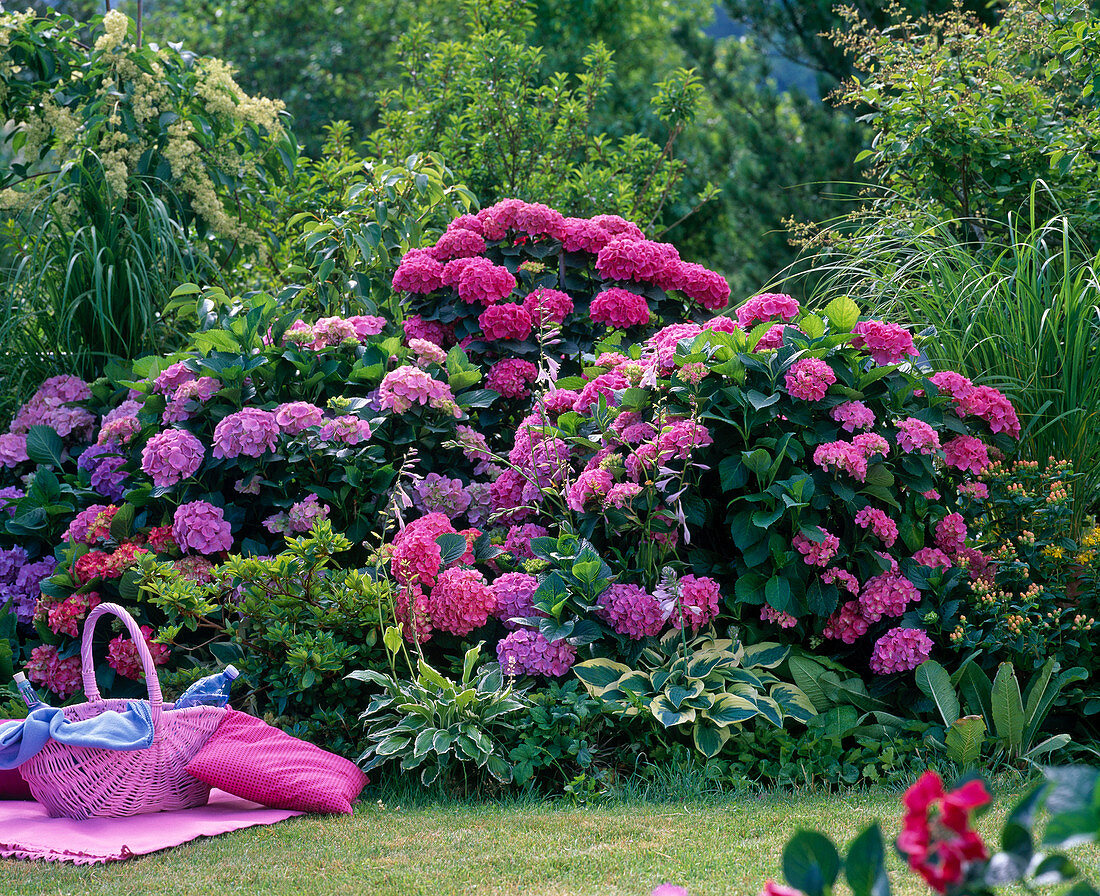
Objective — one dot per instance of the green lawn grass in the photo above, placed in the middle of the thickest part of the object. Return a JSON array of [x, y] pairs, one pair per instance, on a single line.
[[720, 845]]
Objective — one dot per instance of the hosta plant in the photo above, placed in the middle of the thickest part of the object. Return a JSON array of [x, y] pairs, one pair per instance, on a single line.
[[438, 725], [709, 683]]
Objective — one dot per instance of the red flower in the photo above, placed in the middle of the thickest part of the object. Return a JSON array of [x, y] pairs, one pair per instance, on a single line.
[[936, 833]]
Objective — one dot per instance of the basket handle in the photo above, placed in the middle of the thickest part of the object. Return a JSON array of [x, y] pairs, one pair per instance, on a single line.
[[152, 683]]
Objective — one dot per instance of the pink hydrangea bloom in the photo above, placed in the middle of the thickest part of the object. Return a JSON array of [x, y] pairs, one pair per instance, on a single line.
[[871, 443], [878, 522], [886, 594], [161, 539], [809, 379], [172, 377], [606, 384], [591, 485], [92, 525], [13, 450], [511, 377], [853, 415], [517, 541], [631, 611], [699, 596], [900, 650], [250, 432], [992, 406], [951, 533], [933, 557], [119, 431], [843, 456], [302, 515], [460, 601], [366, 325], [426, 352], [64, 618], [817, 553], [887, 343], [171, 456], [409, 385], [846, 624], [347, 430], [415, 327], [709, 288], [61, 676], [536, 219], [201, 527], [129, 408], [622, 494], [680, 438], [525, 652], [484, 282], [664, 342], [548, 306], [583, 235], [410, 606], [916, 435], [619, 227], [952, 384], [975, 490], [419, 272], [467, 222], [966, 453], [767, 306], [296, 416], [505, 321], [188, 396], [771, 340], [777, 617], [458, 243], [441, 494], [617, 307], [514, 596], [122, 655], [415, 557], [843, 578], [641, 261]]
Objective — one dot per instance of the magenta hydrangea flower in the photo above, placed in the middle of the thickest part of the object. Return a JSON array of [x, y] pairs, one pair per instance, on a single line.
[[990, 405], [118, 431], [680, 438], [548, 306], [296, 416], [966, 453], [187, 396], [418, 273], [846, 624], [511, 377], [458, 243], [878, 522], [13, 450], [347, 430], [467, 222], [591, 485], [415, 327], [250, 432], [171, 456], [770, 340], [843, 456], [886, 594], [916, 435], [976, 490], [583, 235], [514, 595], [641, 261], [887, 343], [934, 558], [853, 415], [622, 494], [699, 597], [92, 525], [871, 443], [952, 384], [402, 388], [201, 528], [951, 533], [61, 676], [777, 617], [505, 321], [900, 650], [817, 553], [843, 578], [617, 307], [172, 377], [631, 610], [702, 285], [484, 282], [517, 541], [619, 227], [809, 379], [767, 306], [460, 601], [663, 343], [525, 652], [415, 558]]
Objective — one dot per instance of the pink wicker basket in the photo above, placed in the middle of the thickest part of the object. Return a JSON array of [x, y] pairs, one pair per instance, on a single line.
[[86, 782]]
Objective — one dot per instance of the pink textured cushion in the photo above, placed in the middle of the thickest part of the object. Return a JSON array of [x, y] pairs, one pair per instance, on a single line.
[[12, 785], [248, 758]]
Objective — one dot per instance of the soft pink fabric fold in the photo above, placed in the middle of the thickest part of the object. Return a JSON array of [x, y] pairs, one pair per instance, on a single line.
[[27, 832]]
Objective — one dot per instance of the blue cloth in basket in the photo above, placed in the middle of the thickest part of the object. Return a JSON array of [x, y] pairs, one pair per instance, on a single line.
[[111, 730]]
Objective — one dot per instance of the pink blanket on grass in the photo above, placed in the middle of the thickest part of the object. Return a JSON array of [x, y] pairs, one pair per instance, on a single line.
[[27, 832]]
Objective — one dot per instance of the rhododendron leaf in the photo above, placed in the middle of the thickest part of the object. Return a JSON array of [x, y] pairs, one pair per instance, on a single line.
[[843, 313], [865, 865]]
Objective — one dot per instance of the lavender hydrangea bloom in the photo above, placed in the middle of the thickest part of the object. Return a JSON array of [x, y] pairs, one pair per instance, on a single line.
[[440, 494], [9, 497], [23, 593], [104, 464]]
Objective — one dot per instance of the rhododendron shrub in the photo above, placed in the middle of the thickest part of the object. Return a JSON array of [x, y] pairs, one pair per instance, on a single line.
[[813, 479]]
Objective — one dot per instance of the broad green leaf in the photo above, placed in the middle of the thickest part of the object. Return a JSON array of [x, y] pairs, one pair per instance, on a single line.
[[44, 446], [709, 740], [865, 865], [1008, 708], [934, 682], [964, 741], [843, 314], [811, 863], [599, 674]]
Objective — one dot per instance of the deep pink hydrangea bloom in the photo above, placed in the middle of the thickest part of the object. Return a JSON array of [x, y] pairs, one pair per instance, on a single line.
[[171, 456], [415, 327], [709, 288], [536, 219], [452, 271], [296, 416], [817, 553], [900, 650], [664, 343], [505, 321], [606, 384], [13, 450], [122, 655], [843, 578], [583, 235], [975, 490], [933, 557], [951, 533], [92, 525], [548, 306], [617, 307], [619, 227], [853, 415], [878, 522], [777, 617], [641, 261], [699, 596], [767, 306], [460, 601], [201, 528], [61, 676], [770, 340], [419, 272], [511, 377], [514, 596], [631, 611], [410, 606], [966, 453], [347, 429], [622, 494], [64, 618], [680, 438], [467, 222], [458, 243], [558, 401], [846, 624], [916, 435], [843, 456], [525, 652], [809, 379], [415, 557], [887, 343], [250, 432], [886, 594], [990, 405], [484, 282], [871, 443], [952, 384], [591, 485], [402, 388]]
